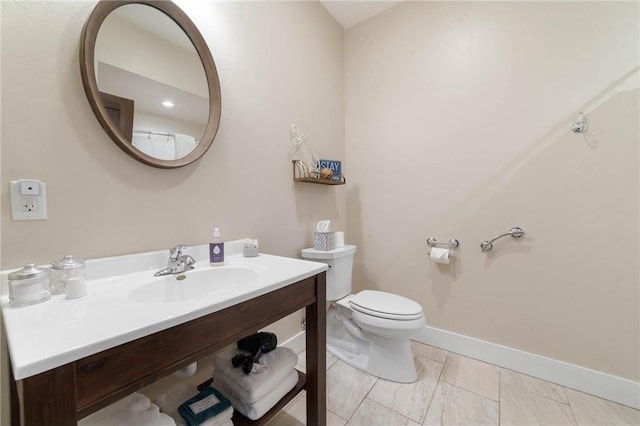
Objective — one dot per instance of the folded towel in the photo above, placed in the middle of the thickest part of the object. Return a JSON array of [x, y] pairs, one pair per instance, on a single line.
[[259, 408], [135, 409], [171, 399], [205, 405], [248, 388]]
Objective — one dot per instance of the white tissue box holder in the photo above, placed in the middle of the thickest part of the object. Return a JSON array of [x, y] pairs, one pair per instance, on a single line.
[[324, 241]]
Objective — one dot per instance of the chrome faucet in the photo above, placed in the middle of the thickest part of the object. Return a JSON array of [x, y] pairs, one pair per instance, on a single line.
[[177, 263]]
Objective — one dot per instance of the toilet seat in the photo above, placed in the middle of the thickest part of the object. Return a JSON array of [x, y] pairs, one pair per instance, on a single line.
[[385, 305]]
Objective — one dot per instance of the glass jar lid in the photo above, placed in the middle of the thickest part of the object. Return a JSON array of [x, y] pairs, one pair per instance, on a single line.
[[68, 262], [27, 272]]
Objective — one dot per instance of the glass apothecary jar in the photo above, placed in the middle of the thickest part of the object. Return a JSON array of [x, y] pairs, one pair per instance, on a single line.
[[64, 269], [29, 285]]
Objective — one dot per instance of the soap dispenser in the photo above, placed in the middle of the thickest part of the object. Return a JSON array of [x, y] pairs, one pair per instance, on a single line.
[[216, 249]]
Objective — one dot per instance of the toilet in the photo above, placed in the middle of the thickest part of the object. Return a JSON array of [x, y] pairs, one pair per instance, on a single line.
[[369, 330]]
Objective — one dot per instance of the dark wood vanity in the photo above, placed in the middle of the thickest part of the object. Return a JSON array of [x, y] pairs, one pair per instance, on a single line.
[[68, 393]]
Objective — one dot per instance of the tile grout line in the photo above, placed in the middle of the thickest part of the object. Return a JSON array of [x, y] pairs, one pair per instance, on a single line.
[[363, 398], [433, 395], [575, 419], [470, 391], [500, 396]]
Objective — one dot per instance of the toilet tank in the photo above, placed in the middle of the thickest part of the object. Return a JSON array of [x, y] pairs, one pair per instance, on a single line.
[[340, 263]]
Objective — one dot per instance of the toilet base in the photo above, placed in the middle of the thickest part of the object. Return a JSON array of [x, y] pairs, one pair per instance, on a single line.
[[380, 366], [388, 358]]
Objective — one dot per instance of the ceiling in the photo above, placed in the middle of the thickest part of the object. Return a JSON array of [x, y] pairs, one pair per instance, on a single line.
[[349, 13]]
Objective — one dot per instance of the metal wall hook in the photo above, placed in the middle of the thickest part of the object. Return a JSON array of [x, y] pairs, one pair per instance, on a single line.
[[514, 232], [581, 125]]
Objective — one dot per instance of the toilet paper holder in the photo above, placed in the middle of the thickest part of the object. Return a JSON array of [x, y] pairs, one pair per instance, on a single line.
[[452, 244]]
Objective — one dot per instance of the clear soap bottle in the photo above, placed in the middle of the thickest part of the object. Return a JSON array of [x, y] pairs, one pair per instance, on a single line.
[[216, 249]]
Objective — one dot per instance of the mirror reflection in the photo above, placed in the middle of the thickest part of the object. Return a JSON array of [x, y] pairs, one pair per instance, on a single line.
[[151, 81]]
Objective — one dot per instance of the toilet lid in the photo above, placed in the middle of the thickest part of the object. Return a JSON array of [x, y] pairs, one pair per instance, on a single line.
[[385, 305]]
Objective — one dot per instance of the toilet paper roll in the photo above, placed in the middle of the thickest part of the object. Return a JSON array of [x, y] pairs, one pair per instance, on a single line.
[[339, 237], [440, 255]]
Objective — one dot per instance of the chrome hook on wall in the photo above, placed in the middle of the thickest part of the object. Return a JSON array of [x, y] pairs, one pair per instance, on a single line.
[[581, 125]]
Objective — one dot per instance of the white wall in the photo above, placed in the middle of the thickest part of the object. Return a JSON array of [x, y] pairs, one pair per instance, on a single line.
[[101, 202], [458, 125]]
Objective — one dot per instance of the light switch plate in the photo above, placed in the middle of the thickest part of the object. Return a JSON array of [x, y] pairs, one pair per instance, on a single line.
[[28, 199]]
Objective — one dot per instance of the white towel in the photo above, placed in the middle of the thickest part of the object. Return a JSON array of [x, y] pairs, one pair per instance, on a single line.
[[184, 145], [135, 409], [251, 387], [259, 408], [171, 400]]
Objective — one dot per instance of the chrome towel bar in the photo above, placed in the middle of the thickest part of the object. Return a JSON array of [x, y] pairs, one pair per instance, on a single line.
[[514, 232]]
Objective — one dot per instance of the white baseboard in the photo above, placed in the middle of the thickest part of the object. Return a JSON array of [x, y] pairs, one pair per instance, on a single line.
[[607, 386], [297, 343], [613, 388]]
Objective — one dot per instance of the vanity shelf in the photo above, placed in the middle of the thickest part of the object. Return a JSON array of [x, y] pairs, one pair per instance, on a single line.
[[314, 177], [102, 378]]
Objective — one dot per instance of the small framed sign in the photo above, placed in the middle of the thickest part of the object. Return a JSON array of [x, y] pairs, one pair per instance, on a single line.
[[334, 166]]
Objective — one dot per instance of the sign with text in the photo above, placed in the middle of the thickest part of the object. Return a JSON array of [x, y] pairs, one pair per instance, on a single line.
[[333, 165]]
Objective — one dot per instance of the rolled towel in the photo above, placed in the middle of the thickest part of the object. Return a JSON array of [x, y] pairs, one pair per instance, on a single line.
[[259, 408], [248, 388], [205, 405], [171, 399], [135, 409]]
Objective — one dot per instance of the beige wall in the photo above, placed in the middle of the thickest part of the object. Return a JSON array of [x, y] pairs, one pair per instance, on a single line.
[[458, 125], [101, 202], [279, 63]]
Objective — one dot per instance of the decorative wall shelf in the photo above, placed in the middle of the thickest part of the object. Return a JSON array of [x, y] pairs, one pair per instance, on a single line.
[[313, 177]]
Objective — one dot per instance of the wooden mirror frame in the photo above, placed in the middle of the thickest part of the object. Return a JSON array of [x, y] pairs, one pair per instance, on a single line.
[[87, 70]]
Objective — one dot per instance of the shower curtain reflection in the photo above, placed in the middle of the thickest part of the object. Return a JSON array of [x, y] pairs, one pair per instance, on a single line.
[[163, 146]]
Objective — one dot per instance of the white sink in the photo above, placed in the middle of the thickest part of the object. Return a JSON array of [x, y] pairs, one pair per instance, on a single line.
[[196, 283], [126, 302]]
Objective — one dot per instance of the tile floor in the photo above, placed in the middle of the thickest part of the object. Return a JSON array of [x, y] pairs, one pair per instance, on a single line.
[[453, 390]]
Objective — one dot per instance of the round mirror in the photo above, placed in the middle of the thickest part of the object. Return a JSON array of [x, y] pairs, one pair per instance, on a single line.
[[151, 81]]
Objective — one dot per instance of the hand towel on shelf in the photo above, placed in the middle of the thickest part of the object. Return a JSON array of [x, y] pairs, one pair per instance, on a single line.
[[171, 399], [250, 387], [205, 405], [135, 409], [259, 408]]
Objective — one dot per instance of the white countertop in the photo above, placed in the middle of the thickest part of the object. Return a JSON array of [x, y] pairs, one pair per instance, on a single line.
[[53, 333]]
